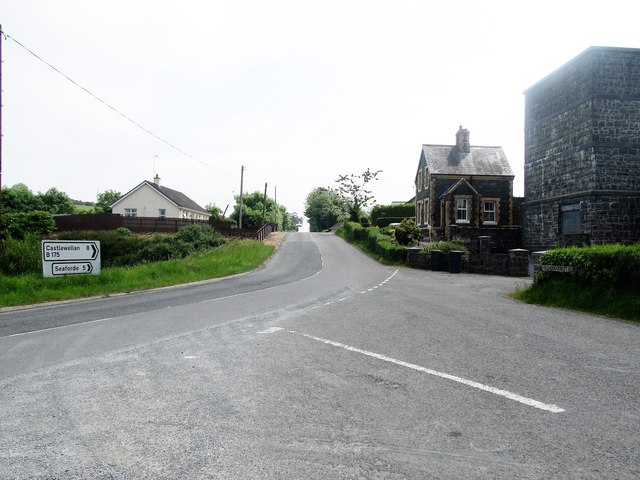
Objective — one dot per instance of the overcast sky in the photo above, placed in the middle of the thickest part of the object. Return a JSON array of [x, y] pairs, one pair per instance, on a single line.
[[298, 92]]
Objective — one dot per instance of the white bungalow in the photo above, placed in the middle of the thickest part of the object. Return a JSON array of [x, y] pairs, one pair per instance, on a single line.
[[153, 200]]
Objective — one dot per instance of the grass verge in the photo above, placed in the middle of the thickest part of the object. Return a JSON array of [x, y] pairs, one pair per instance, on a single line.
[[229, 259], [586, 298]]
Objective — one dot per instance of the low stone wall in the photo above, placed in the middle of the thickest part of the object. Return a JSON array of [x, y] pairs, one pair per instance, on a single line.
[[503, 238], [515, 263]]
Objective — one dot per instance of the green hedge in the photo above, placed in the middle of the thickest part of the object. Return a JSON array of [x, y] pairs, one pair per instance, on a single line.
[[375, 241], [607, 265], [21, 256], [18, 225], [396, 211]]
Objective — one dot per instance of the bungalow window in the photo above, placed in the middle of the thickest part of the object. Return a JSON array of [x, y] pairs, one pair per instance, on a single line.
[[130, 212], [489, 212], [462, 207], [162, 213]]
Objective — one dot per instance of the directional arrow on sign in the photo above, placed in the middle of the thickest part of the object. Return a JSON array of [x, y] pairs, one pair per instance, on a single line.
[[70, 257], [71, 268], [69, 250]]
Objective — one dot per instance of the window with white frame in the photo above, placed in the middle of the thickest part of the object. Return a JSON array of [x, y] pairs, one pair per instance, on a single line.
[[462, 210], [130, 212], [162, 213], [489, 212]]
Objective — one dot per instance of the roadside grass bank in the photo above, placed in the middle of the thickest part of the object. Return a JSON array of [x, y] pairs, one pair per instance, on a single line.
[[229, 259], [595, 299]]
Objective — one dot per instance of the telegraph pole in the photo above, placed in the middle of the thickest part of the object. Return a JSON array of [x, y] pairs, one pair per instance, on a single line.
[[241, 180], [264, 203], [1, 38], [275, 210]]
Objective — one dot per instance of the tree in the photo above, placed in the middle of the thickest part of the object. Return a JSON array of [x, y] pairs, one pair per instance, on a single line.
[[214, 210], [324, 207], [353, 188], [20, 199], [253, 205], [105, 200], [56, 202], [295, 221]]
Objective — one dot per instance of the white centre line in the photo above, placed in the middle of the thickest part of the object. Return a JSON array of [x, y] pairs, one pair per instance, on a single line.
[[470, 383]]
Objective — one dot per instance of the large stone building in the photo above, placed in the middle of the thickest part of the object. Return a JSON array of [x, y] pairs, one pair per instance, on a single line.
[[582, 152], [463, 187]]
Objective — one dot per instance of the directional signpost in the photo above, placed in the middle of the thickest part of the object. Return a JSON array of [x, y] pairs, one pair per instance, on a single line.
[[70, 257]]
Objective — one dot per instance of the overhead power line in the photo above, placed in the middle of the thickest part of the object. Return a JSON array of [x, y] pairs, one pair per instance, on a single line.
[[106, 104]]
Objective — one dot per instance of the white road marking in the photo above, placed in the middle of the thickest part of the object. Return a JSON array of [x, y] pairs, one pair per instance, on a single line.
[[470, 383], [58, 328], [271, 330]]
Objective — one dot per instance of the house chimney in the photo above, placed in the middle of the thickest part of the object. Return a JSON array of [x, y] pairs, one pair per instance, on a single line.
[[462, 140], [156, 180]]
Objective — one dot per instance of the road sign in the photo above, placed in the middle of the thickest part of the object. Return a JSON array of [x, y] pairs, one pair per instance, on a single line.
[[70, 257]]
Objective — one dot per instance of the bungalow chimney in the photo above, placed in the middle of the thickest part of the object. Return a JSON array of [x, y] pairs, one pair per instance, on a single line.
[[462, 140], [156, 180]]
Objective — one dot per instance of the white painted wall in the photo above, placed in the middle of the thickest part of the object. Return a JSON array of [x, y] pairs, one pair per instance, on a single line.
[[149, 201]]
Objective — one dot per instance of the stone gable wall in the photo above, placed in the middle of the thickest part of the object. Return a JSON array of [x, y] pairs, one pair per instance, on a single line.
[[582, 144]]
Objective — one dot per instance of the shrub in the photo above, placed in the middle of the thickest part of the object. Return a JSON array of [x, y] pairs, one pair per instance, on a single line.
[[18, 224], [20, 256], [123, 231], [407, 233], [202, 237], [165, 248]]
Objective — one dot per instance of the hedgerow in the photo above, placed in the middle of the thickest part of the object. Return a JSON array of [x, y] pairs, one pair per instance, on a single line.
[[375, 241], [607, 265], [18, 225], [118, 248]]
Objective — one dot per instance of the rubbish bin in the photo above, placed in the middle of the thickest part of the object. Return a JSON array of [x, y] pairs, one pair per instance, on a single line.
[[455, 261], [436, 260]]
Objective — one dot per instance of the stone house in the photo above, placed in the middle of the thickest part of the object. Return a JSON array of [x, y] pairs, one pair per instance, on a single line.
[[150, 199], [582, 152], [464, 188]]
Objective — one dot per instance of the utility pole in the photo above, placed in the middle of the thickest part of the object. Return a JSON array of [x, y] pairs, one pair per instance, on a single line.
[[275, 210], [1, 38], [241, 181], [264, 203]]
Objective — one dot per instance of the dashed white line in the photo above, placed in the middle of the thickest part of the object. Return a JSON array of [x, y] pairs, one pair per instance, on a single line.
[[470, 383]]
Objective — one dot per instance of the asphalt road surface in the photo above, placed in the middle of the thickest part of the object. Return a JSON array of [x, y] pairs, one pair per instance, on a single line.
[[322, 364]]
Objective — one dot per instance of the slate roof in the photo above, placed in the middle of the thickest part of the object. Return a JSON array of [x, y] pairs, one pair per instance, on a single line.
[[178, 198], [447, 160]]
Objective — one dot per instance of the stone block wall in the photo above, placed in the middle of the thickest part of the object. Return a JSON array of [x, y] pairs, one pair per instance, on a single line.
[[582, 145]]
